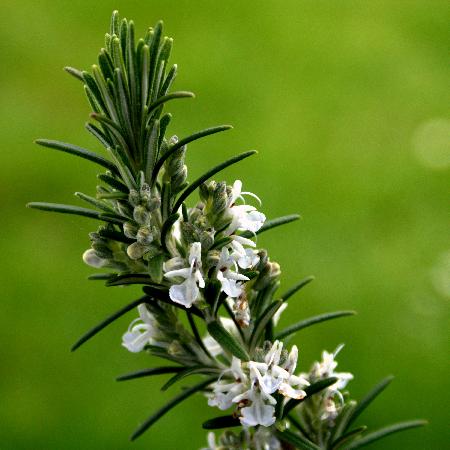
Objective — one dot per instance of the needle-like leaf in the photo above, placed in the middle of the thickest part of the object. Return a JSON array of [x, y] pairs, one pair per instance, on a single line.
[[65, 209], [273, 223], [227, 341], [185, 141], [299, 442], [166, 408], [367, 400], [294, 289], [78, 151], [347, 437], [386, 431], [93, 331], [149, 372], [190, 371], [195, 184], [312, 321], [221, 422]]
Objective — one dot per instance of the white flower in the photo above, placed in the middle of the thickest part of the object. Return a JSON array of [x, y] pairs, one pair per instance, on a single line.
[[244, 217], [255, 383], [187, 292], [259, 412], [229, 279], [91, 259], [245, 257], [332, 397], [138, 336], [326, 367], [224, 392], [272, 378]]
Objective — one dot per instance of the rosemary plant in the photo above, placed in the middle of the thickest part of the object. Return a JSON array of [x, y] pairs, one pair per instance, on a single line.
[[210, 302]]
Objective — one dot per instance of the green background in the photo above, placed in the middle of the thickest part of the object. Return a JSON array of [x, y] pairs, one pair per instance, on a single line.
[[346, 103]]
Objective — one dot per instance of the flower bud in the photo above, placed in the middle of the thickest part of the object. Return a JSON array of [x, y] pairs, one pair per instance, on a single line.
[[220, 198], [144, 235], [141, 215], [145, 192], [91, 259], [134, 197], [175, 349], [153, 203], [174, 264], [207, 239], [130, 230], [135, 250], [173, 140]]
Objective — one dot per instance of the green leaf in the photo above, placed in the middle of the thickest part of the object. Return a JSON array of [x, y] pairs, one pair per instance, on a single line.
[[93, 201], [93, 331], [151, 149], [115, 23], [312, 321], [168, 97], [149, 372], [166, 408], [101, 276], [310, 390], [346, 438], [294, 289], [195, 184], [115, 236], [299, 442], [221, 422], [190, 371], [227, 341], [64, 209], [134, 278], [368, 399], [184, 141], [197, 336], [273, 223], [386, 431], [169, 80], [116, 184], [113, 218], [99, 135], [78, 151], [78, 74], [262, 321]]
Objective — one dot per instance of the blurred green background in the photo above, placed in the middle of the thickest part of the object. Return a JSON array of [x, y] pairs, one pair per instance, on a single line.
[[347, 103]]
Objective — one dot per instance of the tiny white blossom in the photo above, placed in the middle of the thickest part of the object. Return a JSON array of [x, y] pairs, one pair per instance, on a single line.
[[326, 368], [259, 412], [244, 217], [187, 292], [229, 279], [140, 334], [224, 392], [245, 257]]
